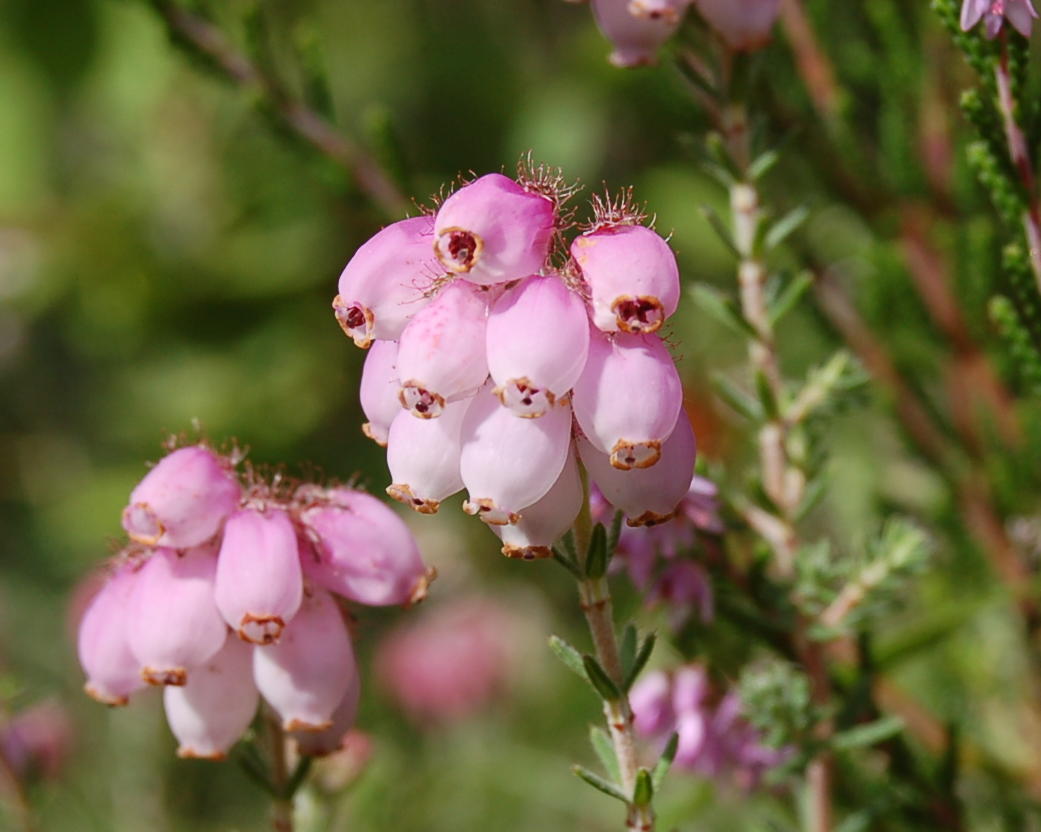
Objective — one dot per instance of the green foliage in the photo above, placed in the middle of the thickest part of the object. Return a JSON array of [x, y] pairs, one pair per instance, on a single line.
[[776, 700]]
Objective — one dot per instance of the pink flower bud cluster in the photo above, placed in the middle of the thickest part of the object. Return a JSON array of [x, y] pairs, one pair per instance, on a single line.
[[658, 558], [492, 370], [639, 28], [226, 594], [715, 741]]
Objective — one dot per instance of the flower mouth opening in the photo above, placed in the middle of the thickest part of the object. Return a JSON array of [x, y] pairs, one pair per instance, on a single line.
[[188, 753], [356, 320], [628, 455], [649, 518], [260, 629], [640, 315], [527, 552], [637, 8], [404, 494], [524, 398], [489, 512], [304, 725], [419, 401], [175, 676], [142, 524], [458, 249], [104, 698]]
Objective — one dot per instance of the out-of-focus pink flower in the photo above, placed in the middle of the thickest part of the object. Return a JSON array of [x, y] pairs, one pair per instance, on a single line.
[[636, 37], [183, 500], [1020, 13], [36, 741], [714, 739], [744, 24], [331, 739], [342, 766], [449, 662]]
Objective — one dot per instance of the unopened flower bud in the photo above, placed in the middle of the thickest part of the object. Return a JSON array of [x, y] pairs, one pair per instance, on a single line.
[[364, 551], [493, 230], [634, 282], [174, 624], [509, 463], [744, 24], [423, 457], [216, 706], [378, 390], [259, 583], [441, 356], [636, 39], [537, 341], [386, 281], [113, 673], [328, 740], [183, 500], [543, 523], [647, 496], [308, 673], [628, 398]]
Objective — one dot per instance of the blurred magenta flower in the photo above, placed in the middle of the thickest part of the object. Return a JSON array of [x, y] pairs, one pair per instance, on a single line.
[[744, 24], [715, 741], [1020, 13], [450, 661], [37, 740]]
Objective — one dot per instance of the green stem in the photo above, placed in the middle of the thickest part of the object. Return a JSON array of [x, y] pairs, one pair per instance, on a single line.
[[282, 803]]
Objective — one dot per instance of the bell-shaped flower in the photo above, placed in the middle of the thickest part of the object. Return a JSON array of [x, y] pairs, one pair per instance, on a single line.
[[308, 673], [743, 24], [646, 496], [259, 583], [493, 230], [183, 500], [423, 457], [379, 389], [174, 624], [537, 341], [543, 523], [113, 673], [328, 740], [636, 39], [386, 281], [363, 550], [509, 463], [216, 706], [441, 355], [628, 398], [633, 279], [1020, 13]]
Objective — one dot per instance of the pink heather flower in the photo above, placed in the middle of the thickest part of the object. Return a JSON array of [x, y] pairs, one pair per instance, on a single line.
[[386, 281], [647, 496], [308, 673], [113, 673], [509, 463], [37, 741], [441, 355], [543, 523], [1020, 13], [183, 500], [216, 706], [449, 662], [493, 230], [744, 24], [344, 764], [651, 703], [633, 279], [628, 398], [685, 587], [636, 37], [537, 342], [363, 550], [423, 457], [173, 623], [328, 740], [259, 583], [379, 389]]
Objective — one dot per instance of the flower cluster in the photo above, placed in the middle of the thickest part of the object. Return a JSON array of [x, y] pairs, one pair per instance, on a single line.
[[638, 28], [654, 557], [1020, 13], [225, 594], [492, 370], [714, 739]]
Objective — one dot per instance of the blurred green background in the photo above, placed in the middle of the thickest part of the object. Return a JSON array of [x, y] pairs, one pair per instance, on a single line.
[[168, 254]]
